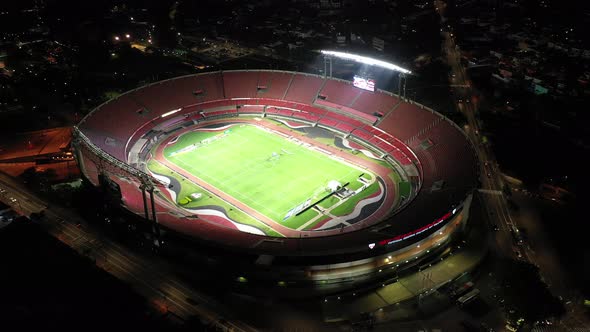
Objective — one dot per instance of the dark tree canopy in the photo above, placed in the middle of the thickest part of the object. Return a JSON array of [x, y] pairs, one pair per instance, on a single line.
[[527, 292]]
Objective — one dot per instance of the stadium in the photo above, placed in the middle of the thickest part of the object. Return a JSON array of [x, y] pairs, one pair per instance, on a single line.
[[282, 164]]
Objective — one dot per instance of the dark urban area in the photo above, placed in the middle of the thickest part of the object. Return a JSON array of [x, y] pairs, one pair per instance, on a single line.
[[294, 165]]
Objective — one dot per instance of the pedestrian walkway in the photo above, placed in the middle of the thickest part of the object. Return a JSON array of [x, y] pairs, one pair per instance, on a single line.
[[388, 296]]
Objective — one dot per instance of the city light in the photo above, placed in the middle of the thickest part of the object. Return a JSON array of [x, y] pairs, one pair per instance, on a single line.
[[127, 36], [116, 37], [366, 60]]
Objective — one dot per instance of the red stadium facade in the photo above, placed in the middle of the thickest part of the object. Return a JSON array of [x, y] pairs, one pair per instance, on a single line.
[[113, 141]]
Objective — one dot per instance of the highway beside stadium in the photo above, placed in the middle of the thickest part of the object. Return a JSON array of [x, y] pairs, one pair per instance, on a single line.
[[493, 183], [150, 277]]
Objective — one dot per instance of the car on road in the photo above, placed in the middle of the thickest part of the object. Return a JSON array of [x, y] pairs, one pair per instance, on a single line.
[[495, 227], [516, 237], [12, 199]]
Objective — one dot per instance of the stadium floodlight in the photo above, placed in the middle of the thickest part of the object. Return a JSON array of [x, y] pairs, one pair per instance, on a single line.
[[170, 113], [366, 60]]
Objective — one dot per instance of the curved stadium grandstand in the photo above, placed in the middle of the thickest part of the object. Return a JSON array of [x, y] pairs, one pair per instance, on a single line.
[[278, 162]]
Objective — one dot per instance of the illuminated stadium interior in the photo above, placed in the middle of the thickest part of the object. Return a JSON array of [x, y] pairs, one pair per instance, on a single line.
[[273, 160]]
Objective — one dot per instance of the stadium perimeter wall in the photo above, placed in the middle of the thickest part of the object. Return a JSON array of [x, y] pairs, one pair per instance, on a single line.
[[94, 161]]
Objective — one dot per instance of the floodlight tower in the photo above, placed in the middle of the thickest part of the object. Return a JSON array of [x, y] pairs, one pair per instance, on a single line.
[[401, 77], [327, 65], [329, 55]]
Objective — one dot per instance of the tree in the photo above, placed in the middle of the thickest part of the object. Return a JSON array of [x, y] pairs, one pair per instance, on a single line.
[[39, 180], [527, 292], [30, 177]]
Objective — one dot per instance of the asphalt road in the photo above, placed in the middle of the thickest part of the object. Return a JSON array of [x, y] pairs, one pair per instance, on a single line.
[[150, 278], [492, 179]]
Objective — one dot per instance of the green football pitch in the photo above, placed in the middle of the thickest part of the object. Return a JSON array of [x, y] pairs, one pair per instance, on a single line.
[[263, 170]]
